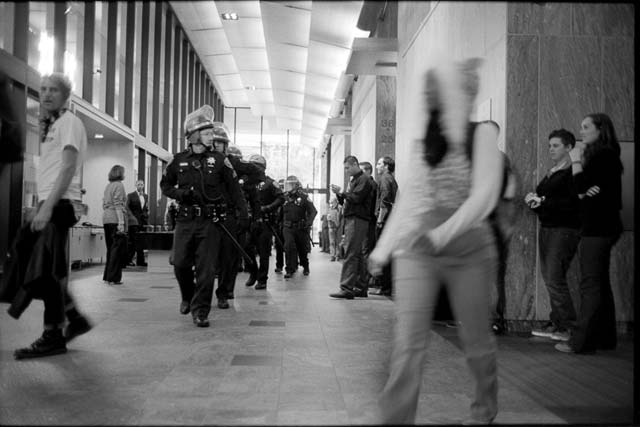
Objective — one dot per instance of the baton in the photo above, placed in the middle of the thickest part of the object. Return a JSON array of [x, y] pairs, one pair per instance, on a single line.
[[275, 234], [237, 245]]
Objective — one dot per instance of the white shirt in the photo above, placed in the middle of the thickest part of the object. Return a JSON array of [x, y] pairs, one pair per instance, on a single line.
[[68, 130], [141, 200]]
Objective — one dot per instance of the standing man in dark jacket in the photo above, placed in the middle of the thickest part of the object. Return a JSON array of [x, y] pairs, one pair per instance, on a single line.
[[298, 213], [138, 204], [357, 212], [263, 222], [279, 235], [370, 241], [204, 183], [385, 198]]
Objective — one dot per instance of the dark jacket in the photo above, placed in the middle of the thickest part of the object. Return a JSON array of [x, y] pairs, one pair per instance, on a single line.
[[561, 205], [271, 197], [298, 211], [37, 259], [188, 174], [356, 199], [600, 214], [386, 196], [140, 212]]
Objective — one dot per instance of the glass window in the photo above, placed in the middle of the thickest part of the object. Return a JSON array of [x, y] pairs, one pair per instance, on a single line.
[[100, 55], [162, 199], [7, 10], [118, 108], [40, 49], [152, 53], [74, 52], [137, 57], [160, 123]]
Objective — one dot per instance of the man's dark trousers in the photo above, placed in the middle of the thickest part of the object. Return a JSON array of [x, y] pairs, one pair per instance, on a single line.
[[196, 242], [261, 236], [384, 280], [295, 245], [354, 271], [230, 258], [135, 246]]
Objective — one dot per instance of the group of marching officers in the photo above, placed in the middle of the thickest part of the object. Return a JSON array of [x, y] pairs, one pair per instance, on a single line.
[[228, 212]]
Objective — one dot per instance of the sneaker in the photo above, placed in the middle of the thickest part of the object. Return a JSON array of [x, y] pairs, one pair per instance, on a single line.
[[564, 347], [342, 294], [222, 303], [561, 335], [361, 293], [77, 326], [546, 331], [50, 343], [306, 271]]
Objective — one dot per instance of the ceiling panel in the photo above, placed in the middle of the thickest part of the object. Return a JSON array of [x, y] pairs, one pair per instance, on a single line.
[[321, 86], [289, 98], [289, 112], [259, 79], [326, 59], [330, 19], [244, 9], [245, 32], [210, 42], [288, 57], [207, 14], [285, 24], [284, 79], [251, 59], [187, 14], [236, 98], [230, 82], [260, 96]]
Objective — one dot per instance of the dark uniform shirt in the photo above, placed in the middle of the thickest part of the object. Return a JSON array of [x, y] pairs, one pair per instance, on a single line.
[[271, 197], [208, 171], [298, 211]]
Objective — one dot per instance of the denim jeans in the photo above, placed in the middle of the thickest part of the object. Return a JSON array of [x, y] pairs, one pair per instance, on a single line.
[[596, 327], [557, 247], [353, 277], [417, 280]]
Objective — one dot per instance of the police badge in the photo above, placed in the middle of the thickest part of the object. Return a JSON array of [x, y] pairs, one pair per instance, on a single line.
[[211, 161]]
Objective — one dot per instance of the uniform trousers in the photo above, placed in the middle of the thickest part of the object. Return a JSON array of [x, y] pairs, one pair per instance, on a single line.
[[196, 241], [279, 247], [334, 239], [230, 259], [468, 270], [261, 237], [296, 245]]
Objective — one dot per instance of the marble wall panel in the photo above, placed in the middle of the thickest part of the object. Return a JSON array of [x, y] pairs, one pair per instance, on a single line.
[[603, 19], [618, 84], [622, 276], [538, 18], [569, 86], [521, 147], [385, 117], [410, 16]]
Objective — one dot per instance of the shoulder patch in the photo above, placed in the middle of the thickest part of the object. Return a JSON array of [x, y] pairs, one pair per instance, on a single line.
[[227, 163]]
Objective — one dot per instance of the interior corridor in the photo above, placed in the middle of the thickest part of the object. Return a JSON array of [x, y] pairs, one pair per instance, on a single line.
[[287, 355]]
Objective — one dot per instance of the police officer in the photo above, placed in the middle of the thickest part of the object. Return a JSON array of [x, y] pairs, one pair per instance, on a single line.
[[199, 179], [298, 213], [279, 236], [263, 222], [237, 220]]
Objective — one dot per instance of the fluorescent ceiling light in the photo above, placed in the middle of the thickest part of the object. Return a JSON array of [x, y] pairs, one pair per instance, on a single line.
[[98, 136], [229, 16]]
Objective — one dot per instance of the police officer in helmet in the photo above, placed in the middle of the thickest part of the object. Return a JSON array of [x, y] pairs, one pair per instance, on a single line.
[[237, 220], [263, 223], [298, 213], [199, 179]]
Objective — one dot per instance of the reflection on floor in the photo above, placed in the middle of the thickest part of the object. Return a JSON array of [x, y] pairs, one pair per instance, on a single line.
[[285, 355]]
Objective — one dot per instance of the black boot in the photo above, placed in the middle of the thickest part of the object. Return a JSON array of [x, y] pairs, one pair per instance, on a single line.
[[51, 342], [251, 280], [77, 326]]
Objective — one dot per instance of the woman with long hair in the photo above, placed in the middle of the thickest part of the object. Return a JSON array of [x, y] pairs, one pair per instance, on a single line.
[[597, 171], [113, 220], [438, 234]]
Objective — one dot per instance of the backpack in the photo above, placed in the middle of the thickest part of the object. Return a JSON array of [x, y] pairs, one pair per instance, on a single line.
[[503, 217]]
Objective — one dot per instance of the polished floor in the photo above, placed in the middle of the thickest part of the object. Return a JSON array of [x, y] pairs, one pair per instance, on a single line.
[[288, 355]]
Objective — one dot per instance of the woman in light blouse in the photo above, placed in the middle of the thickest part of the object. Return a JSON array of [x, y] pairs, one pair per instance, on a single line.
[[113, 220]]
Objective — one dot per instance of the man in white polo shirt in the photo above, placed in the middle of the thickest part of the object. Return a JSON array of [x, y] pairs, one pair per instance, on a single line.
[[63, 145]]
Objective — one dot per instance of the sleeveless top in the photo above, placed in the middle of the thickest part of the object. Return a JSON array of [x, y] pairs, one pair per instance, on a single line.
[[431, 195]]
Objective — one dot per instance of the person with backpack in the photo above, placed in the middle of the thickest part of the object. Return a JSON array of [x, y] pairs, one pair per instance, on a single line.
[[438, 234], [557, 207]]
